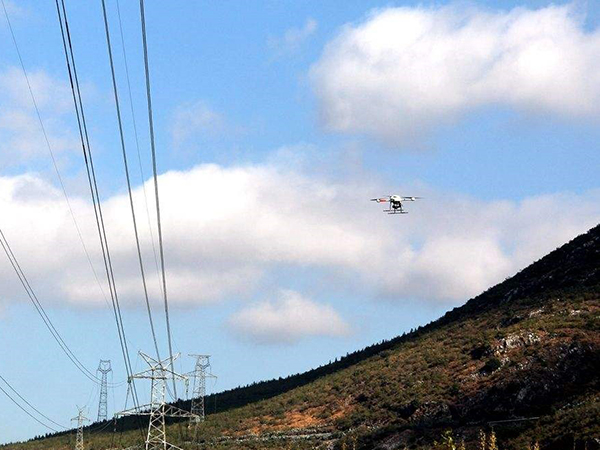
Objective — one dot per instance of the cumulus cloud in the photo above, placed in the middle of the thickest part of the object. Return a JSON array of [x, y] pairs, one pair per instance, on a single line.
[[15, 11], [405, 71], [193, 120], [226, 229], [293, 38], [459, 246], [21, 139], [287, 320]]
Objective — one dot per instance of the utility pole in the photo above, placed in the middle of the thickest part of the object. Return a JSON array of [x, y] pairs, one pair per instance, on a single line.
[[200, 374], [158, 373], [80, 419], [104, 368]]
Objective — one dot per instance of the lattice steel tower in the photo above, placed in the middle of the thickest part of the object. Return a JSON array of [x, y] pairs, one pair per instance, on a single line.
[[158, 373], [200, 374], [80, 419], [104, 368]]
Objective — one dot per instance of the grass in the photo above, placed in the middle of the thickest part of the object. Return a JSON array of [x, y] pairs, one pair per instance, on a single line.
[[527, 348]]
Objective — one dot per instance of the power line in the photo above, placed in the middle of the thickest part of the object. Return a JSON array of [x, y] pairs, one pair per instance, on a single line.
[[27, 412], [40, 309], [92, 395], [91, 175], [124, 152], [59, 177], [79, 122], [30, 405], [137, 144], [50, 151], [155, 174], [87, 155]]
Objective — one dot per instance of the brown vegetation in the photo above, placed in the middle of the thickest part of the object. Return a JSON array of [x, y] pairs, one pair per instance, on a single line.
[[515, 368]]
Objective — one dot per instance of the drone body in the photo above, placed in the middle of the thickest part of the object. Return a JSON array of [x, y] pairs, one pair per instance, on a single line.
[[395, 202]]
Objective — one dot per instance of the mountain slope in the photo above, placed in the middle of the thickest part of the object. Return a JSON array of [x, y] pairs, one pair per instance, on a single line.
[[522, 358]]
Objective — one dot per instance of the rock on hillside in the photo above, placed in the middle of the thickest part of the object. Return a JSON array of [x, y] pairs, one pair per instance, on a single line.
[[522, 360]]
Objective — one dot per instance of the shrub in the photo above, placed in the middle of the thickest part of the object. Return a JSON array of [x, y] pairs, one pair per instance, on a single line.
[[491, 365]]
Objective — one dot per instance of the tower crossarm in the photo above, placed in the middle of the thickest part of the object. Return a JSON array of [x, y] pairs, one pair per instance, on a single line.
[[158, 410], [83, 418], [173, 411], [142, 410], [158, 374], [145, 410], [195, 372], [165, 363]]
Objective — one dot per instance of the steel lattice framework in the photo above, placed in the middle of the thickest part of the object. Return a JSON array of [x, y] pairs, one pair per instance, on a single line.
[[200, 373], [80, 419], [158, 374], [104, 368]]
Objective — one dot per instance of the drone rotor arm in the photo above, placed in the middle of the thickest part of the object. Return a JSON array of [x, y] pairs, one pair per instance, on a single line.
[[381, 200]]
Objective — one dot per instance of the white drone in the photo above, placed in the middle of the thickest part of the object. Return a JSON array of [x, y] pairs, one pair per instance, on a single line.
[[395, 202]]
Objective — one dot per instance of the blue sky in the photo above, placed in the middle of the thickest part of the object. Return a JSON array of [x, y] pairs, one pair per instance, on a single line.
[[276, 121]]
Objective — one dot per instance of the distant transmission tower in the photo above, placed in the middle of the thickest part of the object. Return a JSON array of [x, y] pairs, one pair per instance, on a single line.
[[158, 373], [80, 419], [104, 368], [200, 374]]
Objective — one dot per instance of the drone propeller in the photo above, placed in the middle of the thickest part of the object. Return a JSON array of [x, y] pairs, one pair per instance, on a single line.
[[380, 200]]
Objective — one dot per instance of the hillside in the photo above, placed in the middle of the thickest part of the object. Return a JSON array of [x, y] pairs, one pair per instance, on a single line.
[[522, 359]]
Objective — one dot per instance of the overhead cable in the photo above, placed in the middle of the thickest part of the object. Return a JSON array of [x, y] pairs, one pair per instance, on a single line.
[[27, 412], [124, 152], [40, 309], [137, 144], [155, 175], [30, 405], [50, 151], [91, 176]]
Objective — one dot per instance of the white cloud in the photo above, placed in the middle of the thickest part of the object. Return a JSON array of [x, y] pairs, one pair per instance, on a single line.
[[227, 229], [15, 11], [193, 120], [405, 71], [287, 320], [223, 229], [49, 92], [293, 38], [21, 138]]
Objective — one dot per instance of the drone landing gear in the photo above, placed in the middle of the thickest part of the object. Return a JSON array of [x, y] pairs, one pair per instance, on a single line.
[[395, 208]]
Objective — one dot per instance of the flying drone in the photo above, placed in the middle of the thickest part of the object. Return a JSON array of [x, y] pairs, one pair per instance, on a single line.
[[395, 202]]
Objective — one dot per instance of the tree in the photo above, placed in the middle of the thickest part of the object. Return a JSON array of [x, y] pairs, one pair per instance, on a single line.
[[482, 440], [493, 445], [447, 441]]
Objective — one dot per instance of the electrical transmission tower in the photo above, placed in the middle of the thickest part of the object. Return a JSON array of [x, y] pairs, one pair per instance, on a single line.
[[80, 419], [104, 368], [158, 373], [200, 373]]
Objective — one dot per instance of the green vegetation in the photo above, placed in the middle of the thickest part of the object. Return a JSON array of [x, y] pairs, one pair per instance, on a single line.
[[513, 368]]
